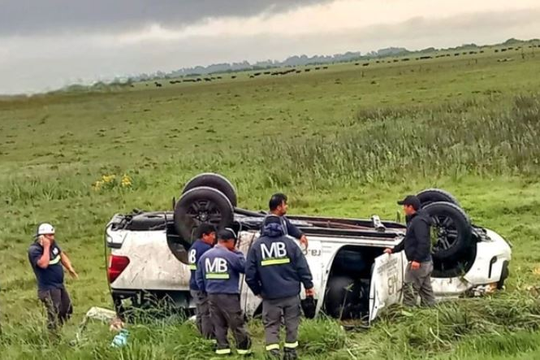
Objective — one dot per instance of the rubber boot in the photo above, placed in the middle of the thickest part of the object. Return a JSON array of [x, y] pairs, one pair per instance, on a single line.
[[290, 354], [273, 355]]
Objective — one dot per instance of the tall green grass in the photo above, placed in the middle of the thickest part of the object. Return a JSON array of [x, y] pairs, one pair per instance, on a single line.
[[490, 137]]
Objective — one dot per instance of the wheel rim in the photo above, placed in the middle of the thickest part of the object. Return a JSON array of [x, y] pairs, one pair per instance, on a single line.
[[204, 211], [444, 233]]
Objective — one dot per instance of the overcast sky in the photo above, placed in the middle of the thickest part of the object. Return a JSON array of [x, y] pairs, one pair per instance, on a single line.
[[45, 44]]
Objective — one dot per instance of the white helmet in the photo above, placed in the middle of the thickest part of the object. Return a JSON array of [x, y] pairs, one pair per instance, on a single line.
[[45, 229]]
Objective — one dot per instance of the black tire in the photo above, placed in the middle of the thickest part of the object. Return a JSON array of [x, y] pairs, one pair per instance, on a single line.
[[201, 205], [429, 196], [341, 291], [214, 181], [505, 272], [451, 231]]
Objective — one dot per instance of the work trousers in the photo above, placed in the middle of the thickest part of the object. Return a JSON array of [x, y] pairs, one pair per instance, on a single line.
[[418, 284], [226, 313]]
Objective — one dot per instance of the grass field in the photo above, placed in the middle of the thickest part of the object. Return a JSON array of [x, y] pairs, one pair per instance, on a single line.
[[347, 141]]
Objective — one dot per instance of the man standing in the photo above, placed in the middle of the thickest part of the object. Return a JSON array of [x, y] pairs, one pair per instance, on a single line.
[[207, 237], [48, 262], [275, 269], [417, 246], [218, 274], [278, 207]]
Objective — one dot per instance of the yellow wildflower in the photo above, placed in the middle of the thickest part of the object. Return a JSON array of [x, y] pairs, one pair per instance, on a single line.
[[126, 181]]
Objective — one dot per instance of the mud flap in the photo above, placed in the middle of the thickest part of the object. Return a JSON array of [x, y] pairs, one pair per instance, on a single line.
[[386, 282]]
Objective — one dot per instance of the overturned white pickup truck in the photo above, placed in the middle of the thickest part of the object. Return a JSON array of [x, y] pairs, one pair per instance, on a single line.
[[353, 277]]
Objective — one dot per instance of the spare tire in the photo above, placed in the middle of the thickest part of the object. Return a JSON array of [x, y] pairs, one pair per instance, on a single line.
[[214, 181], [451, 231], [429, 196], [201, 205]]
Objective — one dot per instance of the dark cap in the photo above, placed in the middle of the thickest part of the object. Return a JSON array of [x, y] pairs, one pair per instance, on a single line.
[[227, 234], [411, 200]]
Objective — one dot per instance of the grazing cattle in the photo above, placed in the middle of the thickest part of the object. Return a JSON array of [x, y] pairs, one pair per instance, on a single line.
[[267, 73], [496, 50], [396, 60], [472, 52], [257, 74], [504, 50], [356, 64], [365, 64], [426, 57], [481, 51], [405, 59], [207, 79], [457, 54], [325, 67], [189, 80], [298, 71], [307, 70], [317, 68], [157, 84]]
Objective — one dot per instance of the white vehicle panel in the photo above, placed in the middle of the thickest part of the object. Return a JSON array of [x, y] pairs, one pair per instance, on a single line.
[[152, 265], [386, 282]]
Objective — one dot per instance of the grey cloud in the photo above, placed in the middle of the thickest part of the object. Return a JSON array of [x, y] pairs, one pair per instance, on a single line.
[[21, 17], [52, 62]]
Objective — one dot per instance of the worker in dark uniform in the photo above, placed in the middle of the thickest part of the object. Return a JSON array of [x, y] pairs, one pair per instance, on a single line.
[[275, 270], [207, 238], [48, 262], [417, 246], [218, 274], [278, 207]]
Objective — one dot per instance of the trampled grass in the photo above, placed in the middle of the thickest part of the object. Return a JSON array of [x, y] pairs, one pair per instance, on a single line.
[[342, 142]]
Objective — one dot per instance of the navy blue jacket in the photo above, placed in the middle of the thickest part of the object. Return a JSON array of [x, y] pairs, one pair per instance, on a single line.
[[219, 269], [276, 266], [417, 241], [288, 227], [196, 250], [53, 276]]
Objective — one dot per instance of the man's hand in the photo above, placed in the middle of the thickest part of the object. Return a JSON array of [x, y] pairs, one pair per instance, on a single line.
[[415, 265], [388, 251], [304, 241], [73, 274], [310, 292], [44, 241]]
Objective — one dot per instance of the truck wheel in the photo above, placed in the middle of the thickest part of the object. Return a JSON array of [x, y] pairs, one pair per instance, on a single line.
[[429, 196], [504, 275], [339, 297], [451, 231], [214, 181], [201, 205]]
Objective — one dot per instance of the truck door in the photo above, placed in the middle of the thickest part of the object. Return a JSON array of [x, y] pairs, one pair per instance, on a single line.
[[386, 282]]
